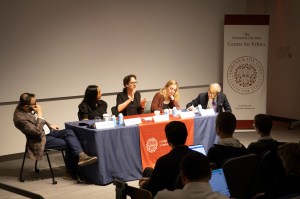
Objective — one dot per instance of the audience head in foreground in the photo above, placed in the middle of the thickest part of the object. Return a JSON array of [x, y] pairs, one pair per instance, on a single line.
[[166, 170], [227, 147], [263, 125], [195, 174], [288, 187]]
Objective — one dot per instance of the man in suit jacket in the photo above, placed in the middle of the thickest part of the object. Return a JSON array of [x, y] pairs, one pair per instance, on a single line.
[[40, 134], [211, 99]]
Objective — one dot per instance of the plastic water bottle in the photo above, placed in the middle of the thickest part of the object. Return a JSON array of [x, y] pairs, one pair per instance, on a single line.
[[114, 119], [199, 108], [174, 111], [121, 118]]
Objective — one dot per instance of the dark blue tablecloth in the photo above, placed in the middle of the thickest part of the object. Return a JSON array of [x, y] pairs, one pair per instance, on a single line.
[[118, 149]]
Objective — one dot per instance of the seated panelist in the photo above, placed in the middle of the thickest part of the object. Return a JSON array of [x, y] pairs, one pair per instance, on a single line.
[[211, 99], [129, 101], [40, 134], [167, 97], [92, 106]]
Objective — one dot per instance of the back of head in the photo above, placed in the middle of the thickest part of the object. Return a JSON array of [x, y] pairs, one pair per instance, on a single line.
[[176, 133], [195, 166], [263, 123], [226, 122], [289, 153]]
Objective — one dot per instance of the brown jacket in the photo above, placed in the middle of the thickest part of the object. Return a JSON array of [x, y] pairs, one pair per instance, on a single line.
[[158, 100], [32, 128]]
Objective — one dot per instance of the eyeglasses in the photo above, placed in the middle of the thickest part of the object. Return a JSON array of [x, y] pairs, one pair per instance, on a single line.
[[32, 104], [133, 83]]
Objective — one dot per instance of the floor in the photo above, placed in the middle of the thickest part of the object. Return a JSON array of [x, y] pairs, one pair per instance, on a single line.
[[42, 184]]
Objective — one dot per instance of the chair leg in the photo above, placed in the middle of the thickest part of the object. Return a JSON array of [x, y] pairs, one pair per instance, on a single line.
[[21, 179], [36, 170], [53, 180], [63, 155]]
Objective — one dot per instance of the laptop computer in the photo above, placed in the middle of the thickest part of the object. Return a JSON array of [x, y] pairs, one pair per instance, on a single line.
[[199, 148], [218, 182]]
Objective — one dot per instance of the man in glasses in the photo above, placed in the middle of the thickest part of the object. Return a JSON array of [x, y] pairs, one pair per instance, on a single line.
[[211, 99], [40, 134]]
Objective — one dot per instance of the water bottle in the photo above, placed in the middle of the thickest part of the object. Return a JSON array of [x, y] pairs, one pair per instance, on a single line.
[[199, 108], [114, 119], [121, 119], [174, 111]]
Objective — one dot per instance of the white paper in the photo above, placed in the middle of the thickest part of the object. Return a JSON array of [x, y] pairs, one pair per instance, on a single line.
[[104, 125], [161, 118], [132, 121], [188, 114]]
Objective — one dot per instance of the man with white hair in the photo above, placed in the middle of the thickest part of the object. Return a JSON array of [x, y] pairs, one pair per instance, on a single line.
[[211, 99]]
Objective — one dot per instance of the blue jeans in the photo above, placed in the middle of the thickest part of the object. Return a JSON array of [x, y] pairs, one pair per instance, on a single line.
[[65, 138]]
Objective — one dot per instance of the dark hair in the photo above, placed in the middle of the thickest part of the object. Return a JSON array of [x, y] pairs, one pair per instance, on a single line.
[[176, 133], [195, 166], [263, 123], [25, 99], [90, 96], [289, 153], [226, 122], [126, 80]]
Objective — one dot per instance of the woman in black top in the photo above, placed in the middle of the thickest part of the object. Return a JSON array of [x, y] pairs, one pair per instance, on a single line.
[[129, 101], [92, 106]]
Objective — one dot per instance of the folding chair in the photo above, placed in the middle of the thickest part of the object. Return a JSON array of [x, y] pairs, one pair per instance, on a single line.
[[123, 190], [46, 151]]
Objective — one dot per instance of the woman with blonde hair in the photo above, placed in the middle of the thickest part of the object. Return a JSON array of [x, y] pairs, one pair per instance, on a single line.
[[167, 97]]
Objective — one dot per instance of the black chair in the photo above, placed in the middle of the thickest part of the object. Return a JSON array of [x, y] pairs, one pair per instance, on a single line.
[[269, 170], [123, 190], [239, 172], [114, 111], [46, 151]]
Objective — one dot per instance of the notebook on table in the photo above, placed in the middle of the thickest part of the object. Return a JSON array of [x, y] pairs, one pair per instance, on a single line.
[[199, 148], [218, 182]]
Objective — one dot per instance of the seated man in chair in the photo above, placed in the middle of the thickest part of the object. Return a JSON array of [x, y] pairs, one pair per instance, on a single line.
[[28, 118], [228, 146]]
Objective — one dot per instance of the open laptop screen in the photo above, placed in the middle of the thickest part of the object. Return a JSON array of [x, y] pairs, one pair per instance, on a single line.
[[218, 182], [199, 148]]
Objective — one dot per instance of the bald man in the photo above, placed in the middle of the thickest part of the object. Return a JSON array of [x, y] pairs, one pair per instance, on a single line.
[[211, 99]]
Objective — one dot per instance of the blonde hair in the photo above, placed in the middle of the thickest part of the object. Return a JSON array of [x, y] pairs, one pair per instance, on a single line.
[[289, 153], [163, 92]]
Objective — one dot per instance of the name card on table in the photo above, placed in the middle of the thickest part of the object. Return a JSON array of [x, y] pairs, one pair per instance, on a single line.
[[161, 118], [104, 125], [188, 114], [132, 121], [207, 112]]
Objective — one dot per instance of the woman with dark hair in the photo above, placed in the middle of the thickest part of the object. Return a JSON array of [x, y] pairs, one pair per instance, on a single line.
[[129, 101], [92, 106]]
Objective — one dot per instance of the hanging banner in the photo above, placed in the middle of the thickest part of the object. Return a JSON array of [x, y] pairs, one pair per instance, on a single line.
[[245, 65]]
